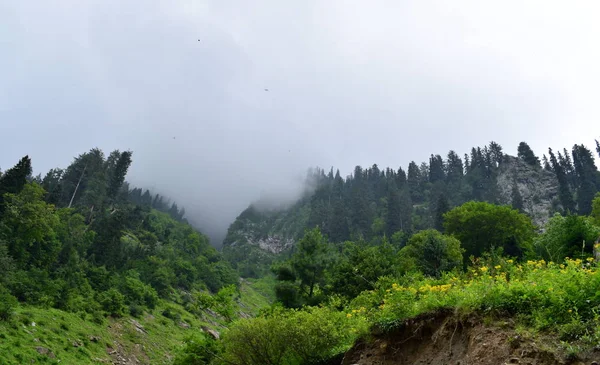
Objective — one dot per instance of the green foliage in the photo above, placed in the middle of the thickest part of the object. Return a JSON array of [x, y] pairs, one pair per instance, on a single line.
[[359, 267], [526, 154], [112, 302], [596, 209], [310, 261], [198, 350], [30, 227], [432, 253], [481, 227], [14, 179], [8, 303], [543, 295], [291, 337], [570, 236]]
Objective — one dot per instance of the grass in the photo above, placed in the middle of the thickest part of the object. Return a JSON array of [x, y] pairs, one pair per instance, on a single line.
[[543, 296], [256, 294], [76, 339]]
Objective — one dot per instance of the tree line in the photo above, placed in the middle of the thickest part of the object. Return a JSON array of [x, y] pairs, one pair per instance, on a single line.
[[79, 239]]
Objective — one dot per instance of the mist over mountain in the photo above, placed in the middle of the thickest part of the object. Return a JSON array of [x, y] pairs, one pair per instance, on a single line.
[[224, 102]]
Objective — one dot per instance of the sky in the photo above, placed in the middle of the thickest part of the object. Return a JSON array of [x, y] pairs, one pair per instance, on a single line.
[[183, 84]]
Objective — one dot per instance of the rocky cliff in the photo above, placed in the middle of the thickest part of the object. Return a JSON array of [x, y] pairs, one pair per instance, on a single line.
[[538, 187]]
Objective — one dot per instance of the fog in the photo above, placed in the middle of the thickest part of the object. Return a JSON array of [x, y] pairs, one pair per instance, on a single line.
[[224, 102]]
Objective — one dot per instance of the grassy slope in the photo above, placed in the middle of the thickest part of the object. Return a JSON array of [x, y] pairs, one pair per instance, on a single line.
[[72, 339]]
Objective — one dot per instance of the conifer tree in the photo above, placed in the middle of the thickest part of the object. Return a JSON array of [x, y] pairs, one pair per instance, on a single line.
[[393, 222], [436, 169], [547, 166], [525, 153], [117, 174], [564, 193], [441, 207], [414, 182], [587, 173], [14, 179]]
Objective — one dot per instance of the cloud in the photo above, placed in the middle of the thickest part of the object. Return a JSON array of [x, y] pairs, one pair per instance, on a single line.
[[181, 83]]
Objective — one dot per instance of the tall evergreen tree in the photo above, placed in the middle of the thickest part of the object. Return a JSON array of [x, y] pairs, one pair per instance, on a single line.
[[525, 153], [14, 179], [587, 174], [414, 182], [547, 166], [455, 168], [51, 183], [441, 207], [117, 174], [564, 193], [597, 147], [393, 221], [565, 162], [497, 156], [436, 169]]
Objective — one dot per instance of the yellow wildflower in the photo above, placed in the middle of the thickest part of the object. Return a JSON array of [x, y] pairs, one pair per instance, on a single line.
[[349, 315], [483, 268], [497, 267]]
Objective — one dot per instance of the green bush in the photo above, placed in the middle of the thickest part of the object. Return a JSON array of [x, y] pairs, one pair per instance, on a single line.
[[198, 350], [8, 303], [291, 337], [113, 302]]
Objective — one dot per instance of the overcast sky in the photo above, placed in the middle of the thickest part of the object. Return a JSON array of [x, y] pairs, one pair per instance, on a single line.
[[350, 82]]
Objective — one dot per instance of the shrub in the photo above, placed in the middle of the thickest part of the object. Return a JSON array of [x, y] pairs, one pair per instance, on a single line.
[[307, 336], [198, 350], [8, 303], [113, 302]]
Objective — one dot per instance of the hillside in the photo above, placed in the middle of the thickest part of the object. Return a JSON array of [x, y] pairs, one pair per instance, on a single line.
[[376, 202], [92, 271]]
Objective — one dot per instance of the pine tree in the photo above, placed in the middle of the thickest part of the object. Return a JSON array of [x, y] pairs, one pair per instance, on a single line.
[[51, 183], [547, 166], [564, 193], [146, 199], [587, 184], [436, 169], [400, 178], [497, 156], [441, 207], [14, 179], [597, 147], [525, 153], [117, 174], [455, 168], [414, 182], [393, 221], [565, 162]]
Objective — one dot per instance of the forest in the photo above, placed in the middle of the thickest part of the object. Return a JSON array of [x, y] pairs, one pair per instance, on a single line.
[[82, 241], [372, 203], [368, 252]]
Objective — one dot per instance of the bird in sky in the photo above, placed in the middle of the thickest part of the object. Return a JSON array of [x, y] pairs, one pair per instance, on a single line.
[[266, 89]]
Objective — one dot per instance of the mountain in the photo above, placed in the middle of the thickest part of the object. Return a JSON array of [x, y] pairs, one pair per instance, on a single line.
[[373, 203]]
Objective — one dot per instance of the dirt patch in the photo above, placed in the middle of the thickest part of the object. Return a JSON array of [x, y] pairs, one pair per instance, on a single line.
[[443, 338], [134, 355]]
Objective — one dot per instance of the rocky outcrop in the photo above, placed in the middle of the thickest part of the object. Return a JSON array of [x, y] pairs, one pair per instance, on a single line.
[[538, 187]]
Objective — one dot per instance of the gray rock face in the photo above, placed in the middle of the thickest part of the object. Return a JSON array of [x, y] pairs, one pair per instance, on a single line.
[[538, 187]]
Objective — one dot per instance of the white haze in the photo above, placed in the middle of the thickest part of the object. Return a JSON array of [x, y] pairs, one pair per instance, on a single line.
[[350, 82]]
